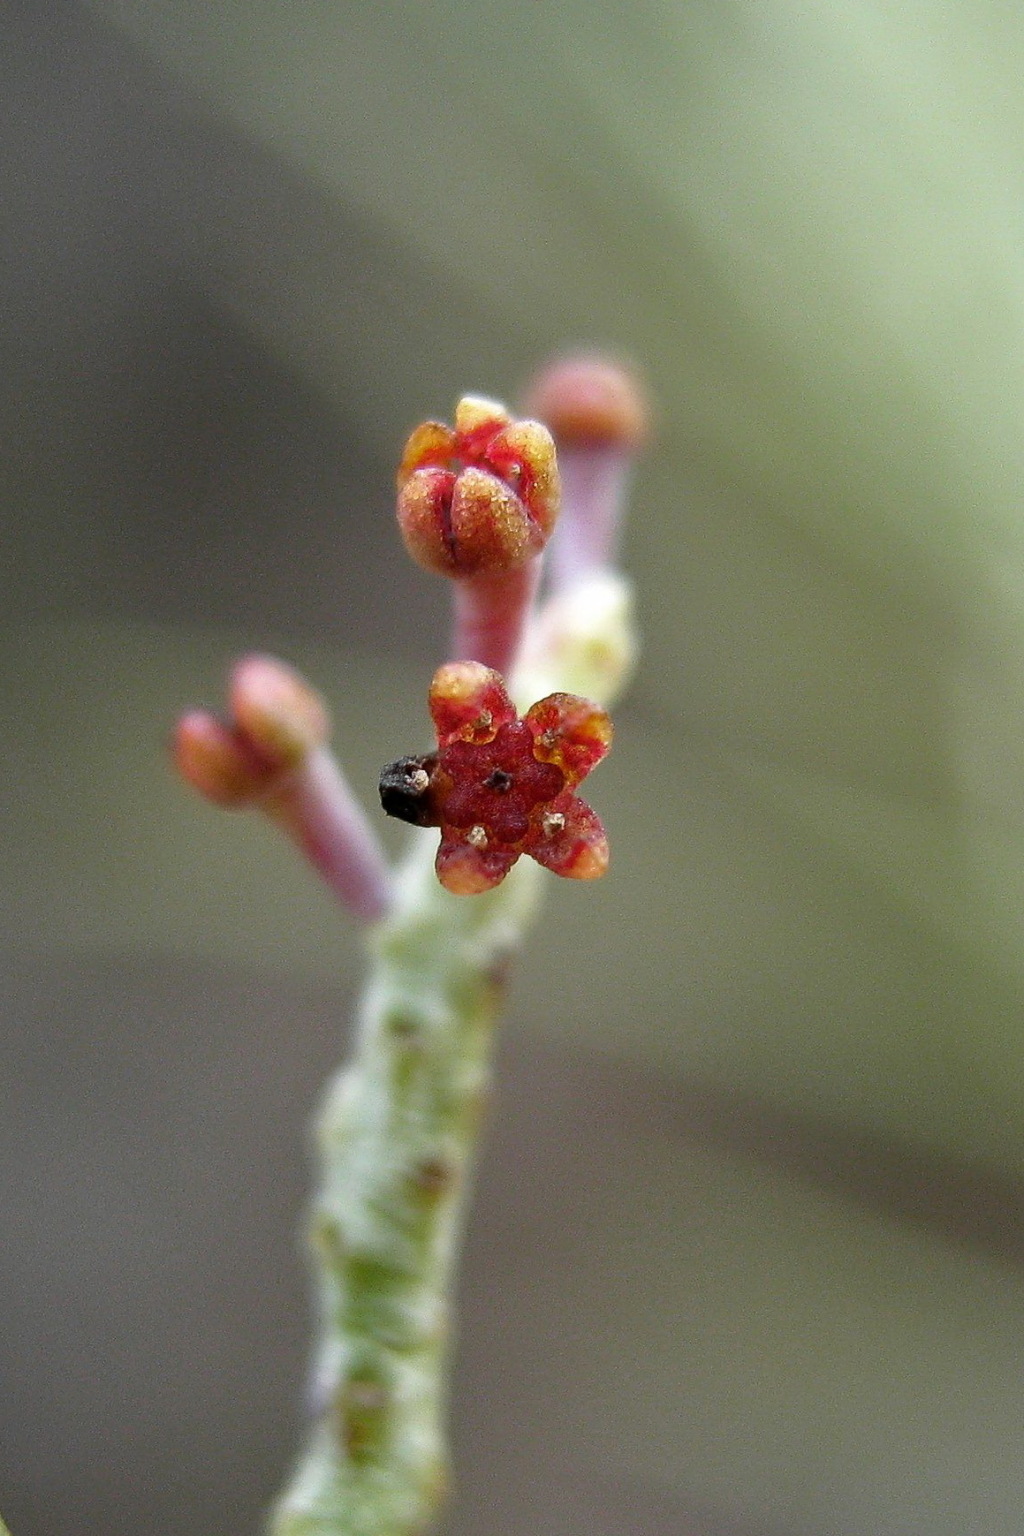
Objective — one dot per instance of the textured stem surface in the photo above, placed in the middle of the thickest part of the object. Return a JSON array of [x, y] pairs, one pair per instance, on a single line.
[[396, 1137]]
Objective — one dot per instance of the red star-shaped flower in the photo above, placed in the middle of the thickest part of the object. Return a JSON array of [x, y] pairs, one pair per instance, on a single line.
[[499, 786]]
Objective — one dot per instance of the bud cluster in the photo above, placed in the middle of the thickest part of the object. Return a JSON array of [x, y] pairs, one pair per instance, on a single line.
[[477, 502], [272, 753], [276, 721]]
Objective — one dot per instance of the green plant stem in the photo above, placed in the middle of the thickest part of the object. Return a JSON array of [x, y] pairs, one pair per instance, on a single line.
[[396, 1139]]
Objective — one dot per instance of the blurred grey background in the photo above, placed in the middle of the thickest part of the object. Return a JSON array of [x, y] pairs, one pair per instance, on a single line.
[[747, 1257]]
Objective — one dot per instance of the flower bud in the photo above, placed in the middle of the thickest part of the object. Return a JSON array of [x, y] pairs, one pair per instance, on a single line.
[[478, 498], [218, 761], [591, 401], [277, 710], [272, 754]]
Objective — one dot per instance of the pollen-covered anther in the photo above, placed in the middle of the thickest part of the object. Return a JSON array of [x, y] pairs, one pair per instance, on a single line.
[[480, 497], [507, 788]]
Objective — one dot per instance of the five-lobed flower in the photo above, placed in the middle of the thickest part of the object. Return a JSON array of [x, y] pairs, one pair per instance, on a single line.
[[500, 786]]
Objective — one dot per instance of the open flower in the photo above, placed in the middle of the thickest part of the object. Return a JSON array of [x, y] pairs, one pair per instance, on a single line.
[[498, 785]]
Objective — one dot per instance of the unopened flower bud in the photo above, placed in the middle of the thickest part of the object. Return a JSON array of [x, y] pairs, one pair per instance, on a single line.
[[478, 498], [591, 401], [218, 761], [272, 753], [598, 412], [277, 710]]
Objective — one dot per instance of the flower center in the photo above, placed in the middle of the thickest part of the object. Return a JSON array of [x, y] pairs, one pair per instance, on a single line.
[[497, 785]]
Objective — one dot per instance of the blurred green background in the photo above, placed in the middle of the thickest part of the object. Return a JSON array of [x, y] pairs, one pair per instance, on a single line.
[[747, 1257]]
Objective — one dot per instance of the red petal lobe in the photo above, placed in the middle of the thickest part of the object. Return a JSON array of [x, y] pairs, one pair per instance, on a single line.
[[466, 871], [578, 848], [571, 732], [468, 702]]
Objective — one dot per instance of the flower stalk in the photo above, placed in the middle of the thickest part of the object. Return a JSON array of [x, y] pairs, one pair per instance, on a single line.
[[397, 1131], [600, 418], [477, 502], [396, 1141]]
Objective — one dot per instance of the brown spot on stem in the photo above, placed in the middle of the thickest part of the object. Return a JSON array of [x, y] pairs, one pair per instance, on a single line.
[[404, 1026], [498, 972], [362, 1404], [433, 1175]]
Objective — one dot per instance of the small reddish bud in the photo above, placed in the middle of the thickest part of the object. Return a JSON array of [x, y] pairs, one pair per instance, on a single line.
[[277, 710], [276, 720], [272, 753], [218, 761], [598, 412], [591, 401], [479, 497], [500, 786]]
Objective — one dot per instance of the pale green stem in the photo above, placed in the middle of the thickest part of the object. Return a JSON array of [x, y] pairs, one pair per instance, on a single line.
[[396, 1138]]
